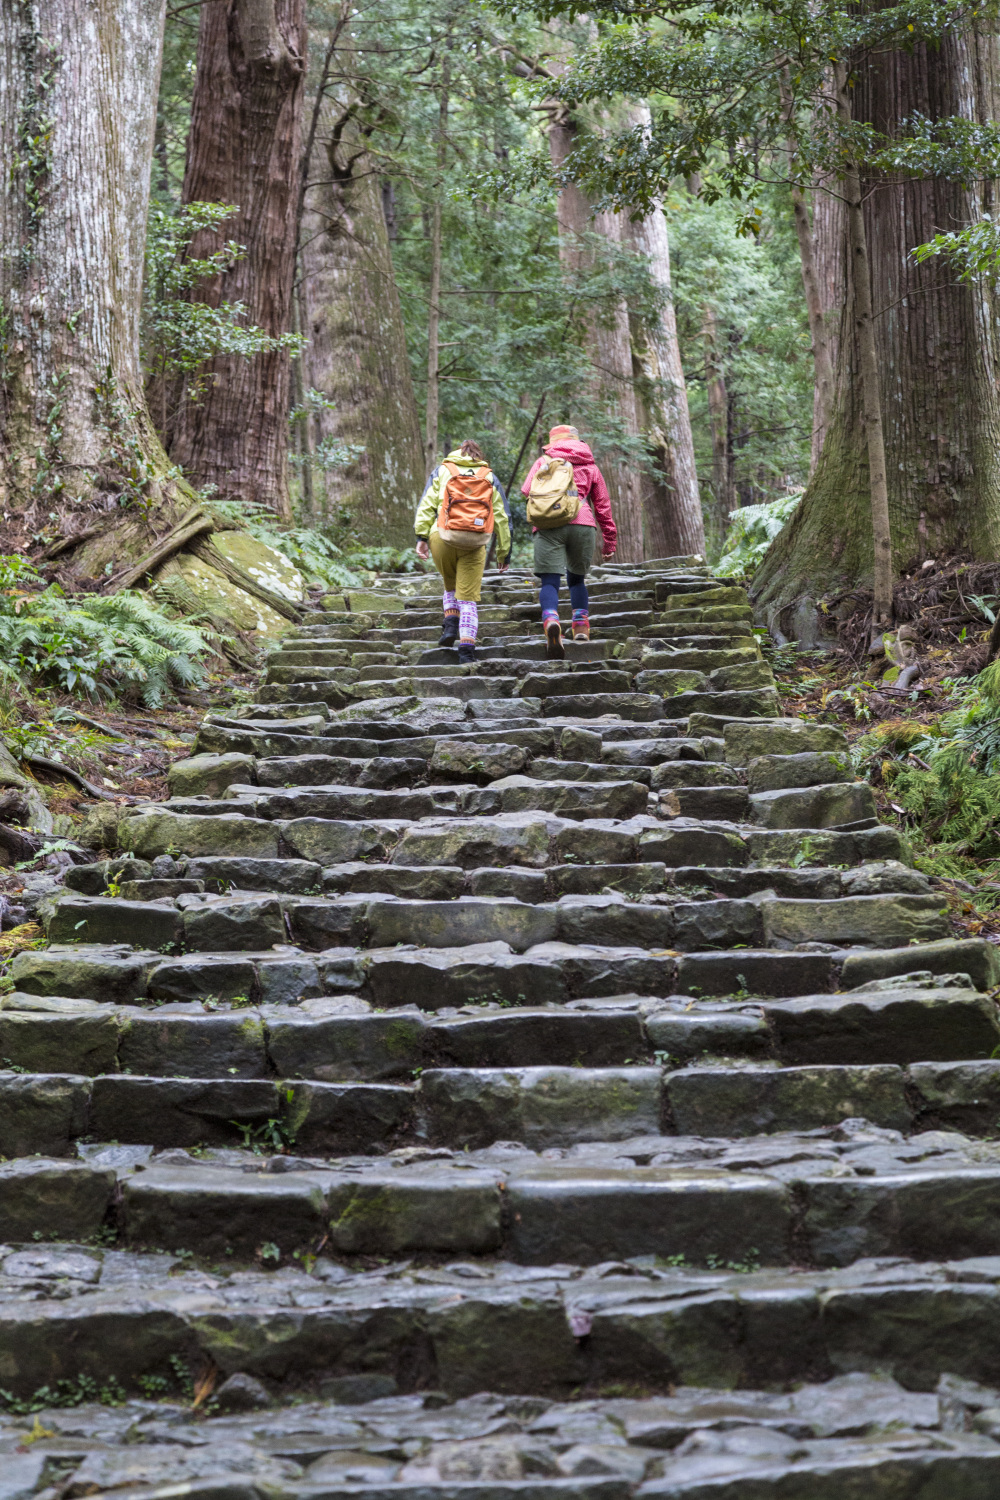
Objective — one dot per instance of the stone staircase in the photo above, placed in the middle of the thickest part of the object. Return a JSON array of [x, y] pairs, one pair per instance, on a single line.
[[535, 1077]]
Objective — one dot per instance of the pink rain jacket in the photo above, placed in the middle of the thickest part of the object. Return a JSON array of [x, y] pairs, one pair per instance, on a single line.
[[595, 502]]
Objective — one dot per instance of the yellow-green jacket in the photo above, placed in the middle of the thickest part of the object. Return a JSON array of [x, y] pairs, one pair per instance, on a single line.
[[430, 501]]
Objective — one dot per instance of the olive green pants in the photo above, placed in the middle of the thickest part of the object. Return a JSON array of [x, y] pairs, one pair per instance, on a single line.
[[461, 568]]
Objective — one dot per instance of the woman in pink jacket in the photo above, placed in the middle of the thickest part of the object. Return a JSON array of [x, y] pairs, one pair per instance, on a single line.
[[569, 549]]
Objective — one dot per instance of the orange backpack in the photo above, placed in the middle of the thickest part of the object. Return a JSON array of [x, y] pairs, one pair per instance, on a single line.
[[465, 515]]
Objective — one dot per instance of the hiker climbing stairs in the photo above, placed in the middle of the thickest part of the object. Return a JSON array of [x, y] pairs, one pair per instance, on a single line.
[[529, 1070]]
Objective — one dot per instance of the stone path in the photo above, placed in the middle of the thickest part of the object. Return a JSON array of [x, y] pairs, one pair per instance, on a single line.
[[544, 1078]]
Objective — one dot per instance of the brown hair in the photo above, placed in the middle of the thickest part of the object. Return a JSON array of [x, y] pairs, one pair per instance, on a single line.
[[470, 449]]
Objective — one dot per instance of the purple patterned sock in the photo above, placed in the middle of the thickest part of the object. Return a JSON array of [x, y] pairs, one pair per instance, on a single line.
[[468, 622], [450, 602]]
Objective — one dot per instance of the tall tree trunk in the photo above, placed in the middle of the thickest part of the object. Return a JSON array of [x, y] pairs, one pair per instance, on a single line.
[[356, 354], [723, 494], [864, 328], [244, 148], [75, 434], [670, 497], [829, 238], [937, 353], [610, 340], [822, 362], [432, 405]]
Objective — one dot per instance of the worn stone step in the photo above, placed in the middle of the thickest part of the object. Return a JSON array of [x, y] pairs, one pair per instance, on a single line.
[[432, 978], [201, 922], [281, 673], [206, 923], [730, 804], [761, 1327], [50, 1114], [816, 806], [652, 752], [581, 770], [751, 1203], [944, 1035], [749, 703], [728, 1333]]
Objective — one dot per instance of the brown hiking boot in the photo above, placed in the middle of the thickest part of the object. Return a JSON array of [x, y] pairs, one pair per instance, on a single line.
[[581, 630], [553, 638]]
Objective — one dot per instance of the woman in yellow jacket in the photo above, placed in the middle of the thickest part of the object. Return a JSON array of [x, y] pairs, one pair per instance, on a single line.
[[461, 562]]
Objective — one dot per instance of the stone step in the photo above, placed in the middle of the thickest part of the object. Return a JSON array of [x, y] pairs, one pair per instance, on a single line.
[[540, 1106], [519, 838], [769, 1201], [747, 703], [205, 923], [541, 965], [945, 1036], [222, 875], [552, 972], [677, 1443], [698, 659], [734, 1335]]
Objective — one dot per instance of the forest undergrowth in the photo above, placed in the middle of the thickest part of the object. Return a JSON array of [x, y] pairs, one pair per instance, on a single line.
[[930, 749]]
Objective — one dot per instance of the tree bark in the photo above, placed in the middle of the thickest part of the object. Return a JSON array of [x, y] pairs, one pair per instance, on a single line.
[[244, 148], [610, 340], [356, 354], [829, 238], [75, 433], [936, 353], [864, 328], [670, 498], [434, 302], [723, 492], [822, 362]]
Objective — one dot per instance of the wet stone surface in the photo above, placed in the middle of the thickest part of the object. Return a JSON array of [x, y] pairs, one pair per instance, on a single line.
[[539, 1077]]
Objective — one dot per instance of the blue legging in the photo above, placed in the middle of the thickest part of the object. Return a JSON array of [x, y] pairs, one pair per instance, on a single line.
[[548, 592]]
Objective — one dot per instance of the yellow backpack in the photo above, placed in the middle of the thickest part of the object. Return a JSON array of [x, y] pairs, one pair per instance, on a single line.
[[552, 499]]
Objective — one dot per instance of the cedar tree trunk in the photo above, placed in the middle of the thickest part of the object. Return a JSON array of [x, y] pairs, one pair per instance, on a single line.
[[356, 354], [610, 343], [829, 242], [244, 148], [670, 497], [937, 356], [75, 434]]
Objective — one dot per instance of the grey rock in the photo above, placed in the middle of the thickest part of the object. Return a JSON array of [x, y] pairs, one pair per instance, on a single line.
[[241, 1393]]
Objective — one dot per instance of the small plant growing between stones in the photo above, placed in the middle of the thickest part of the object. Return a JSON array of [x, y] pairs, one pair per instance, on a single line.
[[80, 1391]]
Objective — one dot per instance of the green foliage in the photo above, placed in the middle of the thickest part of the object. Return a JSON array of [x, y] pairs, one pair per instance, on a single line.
[[946, 778], [753, 528], [730, 85], [330, 452], [95, 646], [63, 1393], [973, 252], [514, 321], [180, 335]]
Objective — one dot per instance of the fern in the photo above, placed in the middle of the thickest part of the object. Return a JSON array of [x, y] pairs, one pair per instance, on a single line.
[[94, 646], [753, 528]]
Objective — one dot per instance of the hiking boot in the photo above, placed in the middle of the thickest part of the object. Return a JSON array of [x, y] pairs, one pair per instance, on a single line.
[[466, 653], [553, 637], [449, 635], [581, 630]]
